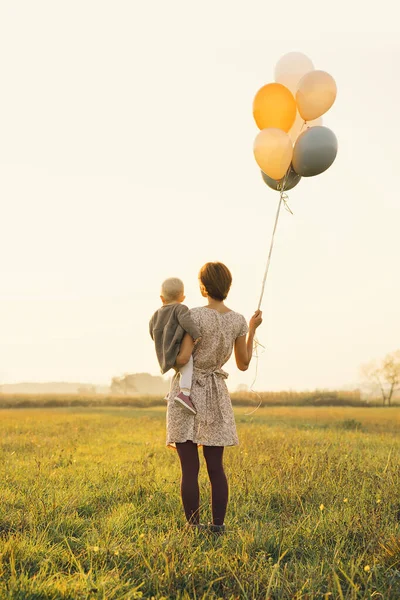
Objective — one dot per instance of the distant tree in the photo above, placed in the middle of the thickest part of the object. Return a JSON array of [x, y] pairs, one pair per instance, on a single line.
[[87, 389], [384, 375], [123, 385], [139, 383], [150, 384]]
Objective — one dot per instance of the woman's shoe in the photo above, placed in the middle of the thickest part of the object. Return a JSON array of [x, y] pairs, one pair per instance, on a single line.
[[196, 526], [216, 528]]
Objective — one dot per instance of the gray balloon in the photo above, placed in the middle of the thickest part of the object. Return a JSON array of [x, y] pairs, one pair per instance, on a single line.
[[292, 179], [314, 151]]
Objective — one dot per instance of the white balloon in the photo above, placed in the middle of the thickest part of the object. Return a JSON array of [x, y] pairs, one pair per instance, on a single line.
[[291, 67]]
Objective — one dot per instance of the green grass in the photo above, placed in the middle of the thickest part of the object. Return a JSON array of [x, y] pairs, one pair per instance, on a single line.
[[90, 507], [288, 398]]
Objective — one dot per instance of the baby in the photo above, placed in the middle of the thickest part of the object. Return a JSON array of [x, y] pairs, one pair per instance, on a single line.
[[168, 325]]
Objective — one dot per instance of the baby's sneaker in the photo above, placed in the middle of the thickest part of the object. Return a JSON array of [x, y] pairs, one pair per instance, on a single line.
[[186, 402]]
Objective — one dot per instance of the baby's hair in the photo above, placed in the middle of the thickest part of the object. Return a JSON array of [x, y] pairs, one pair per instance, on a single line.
[[172, 288]]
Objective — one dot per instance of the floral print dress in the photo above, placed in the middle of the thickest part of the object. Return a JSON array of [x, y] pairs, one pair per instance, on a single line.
[[214, 423]]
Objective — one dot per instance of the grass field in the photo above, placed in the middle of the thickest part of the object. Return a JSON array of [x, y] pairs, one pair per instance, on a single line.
[[90, 507], [244, 398]]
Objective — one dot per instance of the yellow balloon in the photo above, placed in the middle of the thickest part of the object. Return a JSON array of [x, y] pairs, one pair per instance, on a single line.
[[315, 95], [298, 126], [274, 106], [273, 152]]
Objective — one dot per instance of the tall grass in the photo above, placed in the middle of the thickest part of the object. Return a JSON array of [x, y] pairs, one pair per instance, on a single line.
[[90, 507], [284, 398], [293, 398]]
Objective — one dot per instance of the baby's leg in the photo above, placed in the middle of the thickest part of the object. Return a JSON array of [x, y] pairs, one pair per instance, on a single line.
[[185, 384], [186, 377]]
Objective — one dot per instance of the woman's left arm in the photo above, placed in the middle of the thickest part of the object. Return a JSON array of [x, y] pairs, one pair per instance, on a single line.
[[185, 351]]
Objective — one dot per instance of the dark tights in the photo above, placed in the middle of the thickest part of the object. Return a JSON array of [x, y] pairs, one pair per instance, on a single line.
[[190, 464]]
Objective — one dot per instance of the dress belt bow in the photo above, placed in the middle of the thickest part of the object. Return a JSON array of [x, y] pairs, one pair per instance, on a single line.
[[215, 391]]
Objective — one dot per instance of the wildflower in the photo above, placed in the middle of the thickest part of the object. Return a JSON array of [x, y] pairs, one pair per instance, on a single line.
[[116, 553], [378, 500], [345, 499], [367, 568], [95, 548], [141, 536], [321, 507]]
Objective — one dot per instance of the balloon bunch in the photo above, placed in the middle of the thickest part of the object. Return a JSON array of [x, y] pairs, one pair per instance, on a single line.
[[292, 142], [283, 151]]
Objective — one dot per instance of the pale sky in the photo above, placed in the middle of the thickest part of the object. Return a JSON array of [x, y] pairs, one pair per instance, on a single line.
[[126, 136]]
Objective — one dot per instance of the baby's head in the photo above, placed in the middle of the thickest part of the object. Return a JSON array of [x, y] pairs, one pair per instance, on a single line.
[[172, 290]]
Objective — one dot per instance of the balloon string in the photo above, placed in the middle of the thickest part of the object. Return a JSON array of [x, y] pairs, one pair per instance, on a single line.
[[255, 350], [264, 281], [283, 199]]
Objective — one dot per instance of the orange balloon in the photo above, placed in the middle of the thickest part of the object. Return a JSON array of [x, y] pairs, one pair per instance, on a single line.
[[274, 106], [315, 95], [273, 152]]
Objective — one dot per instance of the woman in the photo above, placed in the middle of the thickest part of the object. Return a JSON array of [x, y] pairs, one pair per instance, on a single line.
[[213, 427]]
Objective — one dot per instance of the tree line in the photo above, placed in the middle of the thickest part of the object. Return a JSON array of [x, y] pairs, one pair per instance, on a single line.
[[384, 376]]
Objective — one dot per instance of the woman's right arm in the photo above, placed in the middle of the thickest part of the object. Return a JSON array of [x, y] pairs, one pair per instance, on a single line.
[[185, 350], [244, 346]]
